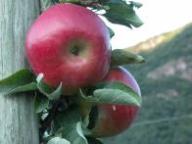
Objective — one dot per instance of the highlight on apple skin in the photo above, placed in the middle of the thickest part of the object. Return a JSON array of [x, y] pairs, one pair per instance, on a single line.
[[69, 44], [114, 119]]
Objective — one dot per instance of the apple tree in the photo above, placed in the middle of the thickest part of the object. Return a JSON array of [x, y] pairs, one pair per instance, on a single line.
[[81, 90]]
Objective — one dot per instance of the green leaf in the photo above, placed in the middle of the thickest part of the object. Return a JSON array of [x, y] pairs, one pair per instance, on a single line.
[[113, 93], [122, 57], [68, 124], [45, 4], [122, 87], [92, 140], [21, 81], [80, 132], [24, 88], [111, 32], [55, 1], [136, 4], [92, 117], [70, 1], [122, 13], [41, 103], [115, 96], [58, 140], [52, 94]]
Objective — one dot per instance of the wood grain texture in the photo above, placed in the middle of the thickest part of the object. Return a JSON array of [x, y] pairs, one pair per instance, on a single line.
[[18, 123]]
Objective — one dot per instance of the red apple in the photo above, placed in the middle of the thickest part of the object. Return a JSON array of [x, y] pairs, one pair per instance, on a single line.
[[69, 44], [113, 119]]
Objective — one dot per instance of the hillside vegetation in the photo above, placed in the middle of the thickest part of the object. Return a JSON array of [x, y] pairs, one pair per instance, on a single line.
[[166, 84]]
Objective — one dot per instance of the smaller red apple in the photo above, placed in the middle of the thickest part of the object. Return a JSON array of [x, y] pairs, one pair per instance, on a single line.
[[113, 119]]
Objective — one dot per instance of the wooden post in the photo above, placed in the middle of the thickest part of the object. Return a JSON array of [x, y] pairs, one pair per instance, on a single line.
[[18, 123]]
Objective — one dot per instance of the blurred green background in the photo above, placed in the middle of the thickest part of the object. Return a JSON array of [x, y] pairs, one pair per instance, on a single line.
[[166, 83]]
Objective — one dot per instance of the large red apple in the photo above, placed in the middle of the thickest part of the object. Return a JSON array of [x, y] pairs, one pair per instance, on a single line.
[[69, 44], [113, 119]]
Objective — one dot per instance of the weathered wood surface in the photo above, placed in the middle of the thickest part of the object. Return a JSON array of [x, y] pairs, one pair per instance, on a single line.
[[18, 124]]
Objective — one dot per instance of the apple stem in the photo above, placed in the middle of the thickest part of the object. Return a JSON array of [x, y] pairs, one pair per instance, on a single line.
[[75, 50]]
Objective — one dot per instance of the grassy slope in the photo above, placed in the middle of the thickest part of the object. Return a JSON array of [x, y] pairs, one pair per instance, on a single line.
[[166, 83]]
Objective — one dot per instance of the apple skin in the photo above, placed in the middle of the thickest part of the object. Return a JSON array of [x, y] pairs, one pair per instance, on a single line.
[[114, 119], [69, 44]]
